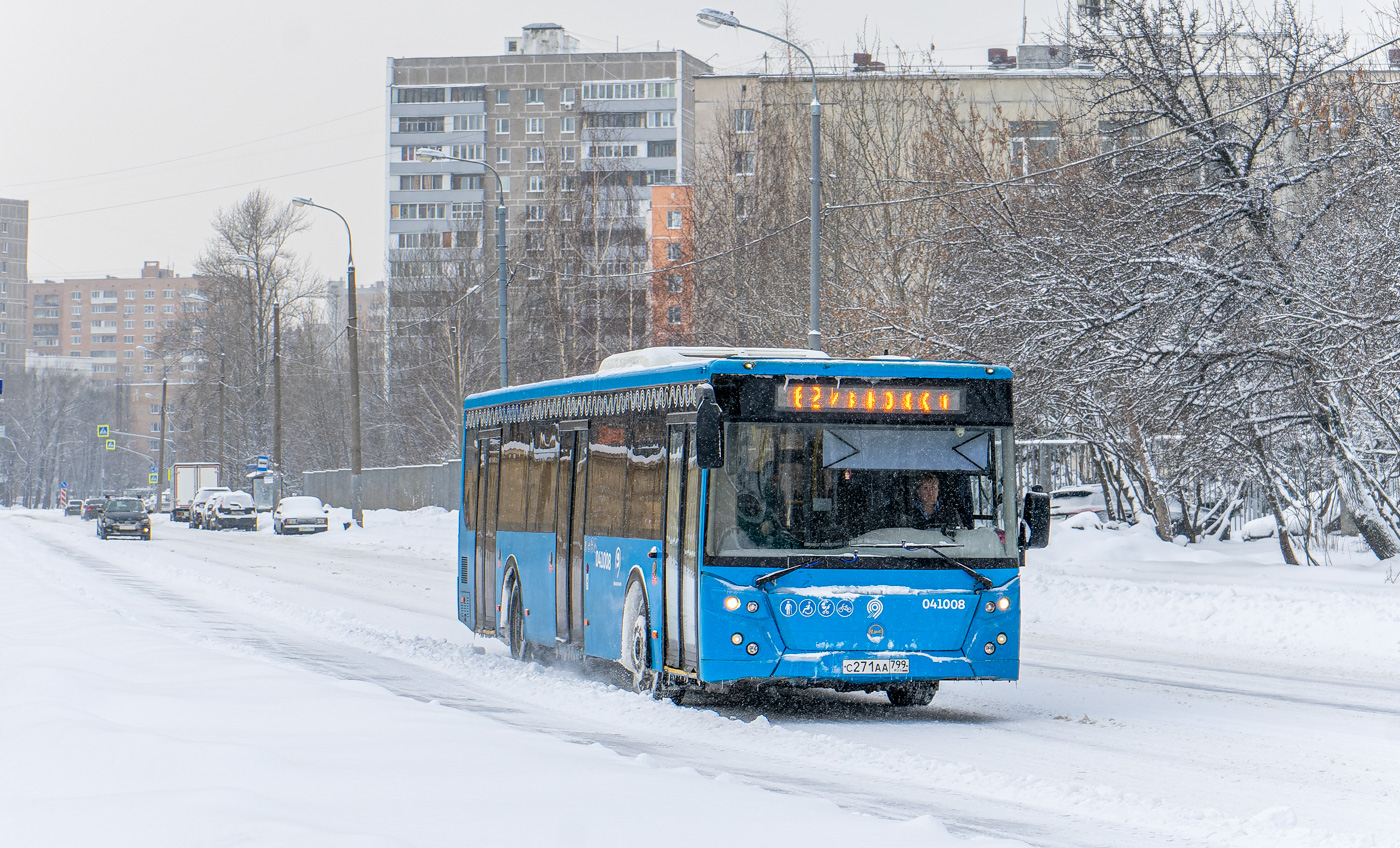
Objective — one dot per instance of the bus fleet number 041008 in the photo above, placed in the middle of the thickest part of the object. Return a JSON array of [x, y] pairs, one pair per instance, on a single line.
[[945, 603]]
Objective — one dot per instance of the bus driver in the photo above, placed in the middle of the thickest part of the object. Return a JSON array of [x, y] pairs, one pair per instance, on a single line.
[[930, 510]]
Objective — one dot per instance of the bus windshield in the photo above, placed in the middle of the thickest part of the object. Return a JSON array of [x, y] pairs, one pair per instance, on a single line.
[[834, 488]]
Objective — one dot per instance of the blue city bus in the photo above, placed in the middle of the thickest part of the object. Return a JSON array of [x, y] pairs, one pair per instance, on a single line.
[[714, 517]]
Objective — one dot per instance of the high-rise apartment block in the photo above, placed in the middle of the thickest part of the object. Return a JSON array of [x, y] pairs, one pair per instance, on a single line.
[[544, 116], [14, 254]]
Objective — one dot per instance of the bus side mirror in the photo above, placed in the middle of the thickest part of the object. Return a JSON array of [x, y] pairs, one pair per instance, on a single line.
[[709, 432], [1035, 520]]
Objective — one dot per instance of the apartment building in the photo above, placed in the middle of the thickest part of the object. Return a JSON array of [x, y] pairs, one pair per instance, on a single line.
[[115, 324], [543, 115], [14, 254]]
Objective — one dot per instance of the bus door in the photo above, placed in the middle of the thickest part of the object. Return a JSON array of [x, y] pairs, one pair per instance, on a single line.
[[488, 495], [681, 555], [568, 532]]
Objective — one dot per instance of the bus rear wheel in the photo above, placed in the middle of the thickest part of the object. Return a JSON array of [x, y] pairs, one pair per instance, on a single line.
[[515, 623], [911, 694], [636, 642]]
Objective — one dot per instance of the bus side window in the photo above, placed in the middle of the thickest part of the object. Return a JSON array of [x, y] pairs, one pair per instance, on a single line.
[[541, 477], [646, 478], [469, 475], [514, 454]]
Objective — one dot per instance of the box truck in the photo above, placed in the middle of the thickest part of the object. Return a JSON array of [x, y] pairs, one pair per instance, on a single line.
[[186, 479]]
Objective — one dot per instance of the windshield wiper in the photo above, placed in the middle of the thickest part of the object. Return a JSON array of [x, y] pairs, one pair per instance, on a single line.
[[930, 546], [850, 556]]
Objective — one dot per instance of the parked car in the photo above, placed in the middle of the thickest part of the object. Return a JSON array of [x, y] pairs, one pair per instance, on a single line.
[[1071, 500], [92, 507], [230, 509], [124, 517], [201, 498], [75, 507], [300, 514]]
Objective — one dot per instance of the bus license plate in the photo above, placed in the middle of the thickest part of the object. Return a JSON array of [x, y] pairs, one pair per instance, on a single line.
[[874, 666]]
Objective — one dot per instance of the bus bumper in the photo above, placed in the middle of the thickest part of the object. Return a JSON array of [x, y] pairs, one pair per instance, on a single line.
[[826, 668]]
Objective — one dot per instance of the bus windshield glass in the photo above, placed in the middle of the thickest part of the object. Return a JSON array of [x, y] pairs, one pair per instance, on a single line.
[[880, 491]]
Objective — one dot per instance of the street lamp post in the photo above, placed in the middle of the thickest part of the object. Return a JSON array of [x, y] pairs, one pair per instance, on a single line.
[[428, 154], [714, 19], [352, 338]]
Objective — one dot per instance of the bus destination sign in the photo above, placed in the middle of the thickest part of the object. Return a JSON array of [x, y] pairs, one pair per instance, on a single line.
[[882, 398]]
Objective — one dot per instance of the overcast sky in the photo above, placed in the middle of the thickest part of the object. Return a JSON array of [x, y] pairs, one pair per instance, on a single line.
[[128, 125]]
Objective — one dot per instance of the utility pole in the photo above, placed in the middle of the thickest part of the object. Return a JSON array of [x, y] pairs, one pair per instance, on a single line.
[[223, 452], [160, 465], [276, 387]]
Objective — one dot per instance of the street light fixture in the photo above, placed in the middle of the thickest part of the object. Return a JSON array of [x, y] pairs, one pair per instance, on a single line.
[[352, 338], [714, 19], [429, 154]]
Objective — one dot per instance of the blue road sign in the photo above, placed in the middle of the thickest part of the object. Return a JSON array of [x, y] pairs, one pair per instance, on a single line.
[[63, 484]]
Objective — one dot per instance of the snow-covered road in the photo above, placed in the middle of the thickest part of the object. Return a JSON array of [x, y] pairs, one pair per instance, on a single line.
[[1168, 696]]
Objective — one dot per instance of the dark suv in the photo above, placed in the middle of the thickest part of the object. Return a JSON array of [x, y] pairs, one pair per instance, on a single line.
[[124, 517]]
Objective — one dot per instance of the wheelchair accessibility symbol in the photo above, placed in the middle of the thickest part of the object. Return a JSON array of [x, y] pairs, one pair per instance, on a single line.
[[808, 607], [788, 607]]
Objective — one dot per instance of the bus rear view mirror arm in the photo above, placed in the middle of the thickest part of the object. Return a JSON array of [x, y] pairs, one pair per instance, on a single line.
[[709, 431]]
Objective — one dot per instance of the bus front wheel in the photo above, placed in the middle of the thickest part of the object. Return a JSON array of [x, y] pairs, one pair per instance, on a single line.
[[636, 641], [911, 694]]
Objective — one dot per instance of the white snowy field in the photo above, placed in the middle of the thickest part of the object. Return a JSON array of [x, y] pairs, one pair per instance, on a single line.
[[248, 689]]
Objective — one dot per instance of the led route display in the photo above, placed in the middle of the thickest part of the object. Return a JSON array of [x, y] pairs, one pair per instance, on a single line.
[[886, 398]]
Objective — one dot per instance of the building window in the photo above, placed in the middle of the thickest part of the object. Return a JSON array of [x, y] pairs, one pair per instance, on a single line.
[[503, 126], [566, 154], [468, 211], [77, 340], [77, 310], [150, 294], [503, 155], [610, 151], [466, 182], [742, 206], [535, 155], [743, 120], [673, 315], [534, 213], [473, 152], [155, 444], [469, 123], [148, 369], [131, 294], [419, 95], [568, 183], [534, 95], [665, 176], [146, 354], [567, 96], [128, 354], [661, 119], [566, 125], [128, 340], [628, 90], [421, 125], [1034, 146], [76, 296], [169, 309], [414, 211], [536, 185], [661, 148], [673, 251], [420, 182], [674, 284], [468, 94], [502, 97], [169, 294], [155, 426], [673, 220], [150, 325], [744, 163], [534, 126], [128, 309]]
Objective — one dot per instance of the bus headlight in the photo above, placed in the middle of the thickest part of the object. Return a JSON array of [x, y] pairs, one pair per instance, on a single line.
[[1001, 638], [1003, 603], [737, 638], [989, 648], [752, 606], [731, 603], [752, 648], [990, 607]]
